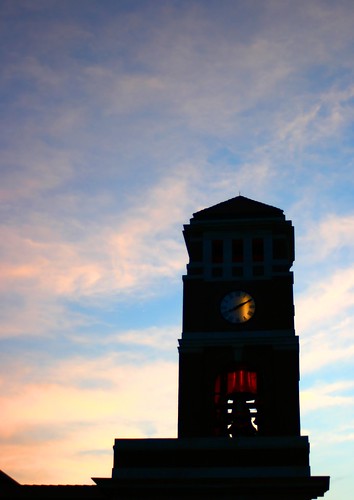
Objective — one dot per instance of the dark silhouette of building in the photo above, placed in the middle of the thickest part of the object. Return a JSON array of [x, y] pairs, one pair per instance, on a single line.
[[238, 412]]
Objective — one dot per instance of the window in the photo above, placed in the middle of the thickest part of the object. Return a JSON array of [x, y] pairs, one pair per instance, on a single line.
[[237, 250], [217, 251], [257, 249], [195, 250], [280, 249]]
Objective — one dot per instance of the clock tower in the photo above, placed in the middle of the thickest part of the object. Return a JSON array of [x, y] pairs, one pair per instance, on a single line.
[[238, 403], [239, 355]]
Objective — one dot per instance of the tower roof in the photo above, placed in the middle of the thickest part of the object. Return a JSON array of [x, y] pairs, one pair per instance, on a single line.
[[239, 207]]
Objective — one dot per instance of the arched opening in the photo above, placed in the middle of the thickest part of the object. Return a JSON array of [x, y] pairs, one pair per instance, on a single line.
[[235, 400]]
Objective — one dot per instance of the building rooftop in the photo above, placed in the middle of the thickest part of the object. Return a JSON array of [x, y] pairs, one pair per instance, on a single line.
[[238, 207]]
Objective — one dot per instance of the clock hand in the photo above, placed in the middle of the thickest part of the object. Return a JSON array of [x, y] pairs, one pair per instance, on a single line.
[[239, 305]]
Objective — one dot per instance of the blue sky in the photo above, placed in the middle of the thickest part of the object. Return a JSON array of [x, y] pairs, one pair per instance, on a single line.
[[119, 120]]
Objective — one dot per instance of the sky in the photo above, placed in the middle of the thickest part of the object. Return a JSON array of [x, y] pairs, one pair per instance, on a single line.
[[119, 120]]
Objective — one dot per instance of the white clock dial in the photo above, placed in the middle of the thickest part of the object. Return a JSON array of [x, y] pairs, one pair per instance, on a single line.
[[237, 307]]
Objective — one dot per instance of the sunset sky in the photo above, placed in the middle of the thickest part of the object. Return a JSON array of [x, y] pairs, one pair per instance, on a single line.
[[119, 119]]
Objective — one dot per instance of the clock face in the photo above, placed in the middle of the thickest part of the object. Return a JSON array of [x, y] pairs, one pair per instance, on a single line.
[[237, 307]]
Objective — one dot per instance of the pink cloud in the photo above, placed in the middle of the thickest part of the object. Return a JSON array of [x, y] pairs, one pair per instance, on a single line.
[[56, 430]]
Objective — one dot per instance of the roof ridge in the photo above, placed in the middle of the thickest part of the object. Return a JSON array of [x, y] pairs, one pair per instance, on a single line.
[[239, 207]]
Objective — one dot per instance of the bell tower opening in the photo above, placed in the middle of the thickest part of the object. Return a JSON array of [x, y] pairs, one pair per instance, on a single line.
[[236, 404]]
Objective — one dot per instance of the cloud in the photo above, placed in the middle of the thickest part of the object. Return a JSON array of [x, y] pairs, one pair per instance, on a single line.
[[162, 338], [319, 397], [130, 402], [328, 237], [324, 315], [326, 252], [48, 260], [326, 300], [174, 70], [142, 248], [331, 347], [120, 123]]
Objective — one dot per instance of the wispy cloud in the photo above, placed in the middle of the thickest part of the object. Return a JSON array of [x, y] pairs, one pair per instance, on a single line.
[[49, 262], [325, 305], [326, 395], [129, 402], [327, 301], [329, 237], [118, 124]]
